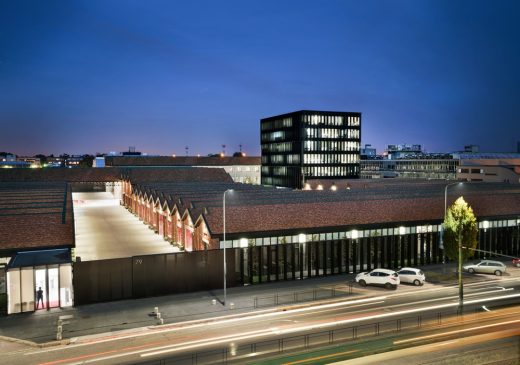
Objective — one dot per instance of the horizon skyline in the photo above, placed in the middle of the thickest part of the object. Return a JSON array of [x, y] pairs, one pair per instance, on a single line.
[[229, 152], [97, 76]]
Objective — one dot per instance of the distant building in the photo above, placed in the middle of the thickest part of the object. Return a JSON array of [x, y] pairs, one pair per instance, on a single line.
[[99, 162], [73, 161], [419, 168], [397, 151], [472, 148], [32, 161], [243, 169], [489, 167], [368, 152], [10, 161], [310, 145]]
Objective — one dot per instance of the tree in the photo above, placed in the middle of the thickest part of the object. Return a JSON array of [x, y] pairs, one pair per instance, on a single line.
[[460, 222], [86, 161], [43, 158]]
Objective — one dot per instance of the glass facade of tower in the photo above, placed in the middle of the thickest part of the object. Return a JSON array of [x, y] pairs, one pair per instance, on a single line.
[[310, 145]]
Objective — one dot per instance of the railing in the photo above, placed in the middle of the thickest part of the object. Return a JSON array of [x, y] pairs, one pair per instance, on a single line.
[[248, 352], [303, 296]]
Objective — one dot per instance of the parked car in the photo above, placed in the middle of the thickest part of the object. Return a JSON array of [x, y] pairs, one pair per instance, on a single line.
[[516, 262], [486, 267], [381, 277], [411, 276]]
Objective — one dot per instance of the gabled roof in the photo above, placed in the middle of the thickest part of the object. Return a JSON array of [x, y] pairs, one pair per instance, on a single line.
[[253, 209]]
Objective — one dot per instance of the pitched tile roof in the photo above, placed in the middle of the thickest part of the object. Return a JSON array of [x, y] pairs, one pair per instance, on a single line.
[[35, 215], [109, 174], [60, 174], [256, 209]]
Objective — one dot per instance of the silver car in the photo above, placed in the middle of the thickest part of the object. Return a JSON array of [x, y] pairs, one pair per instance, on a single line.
[[486, 267]]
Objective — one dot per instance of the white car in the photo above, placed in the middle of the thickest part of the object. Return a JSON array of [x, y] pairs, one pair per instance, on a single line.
[[486, 267], [382, 277], [411, 276]]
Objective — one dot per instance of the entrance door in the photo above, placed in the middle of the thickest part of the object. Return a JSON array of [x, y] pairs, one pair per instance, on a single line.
[[47, 285]]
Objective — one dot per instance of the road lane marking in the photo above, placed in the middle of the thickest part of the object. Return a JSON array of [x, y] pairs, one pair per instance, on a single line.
[[337, 354], [455, 332], [171, 328]]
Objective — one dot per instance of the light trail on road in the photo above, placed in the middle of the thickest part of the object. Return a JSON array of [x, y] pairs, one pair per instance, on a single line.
[[199, 335]]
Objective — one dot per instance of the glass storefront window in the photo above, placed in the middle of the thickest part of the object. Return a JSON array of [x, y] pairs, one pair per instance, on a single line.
[[66, 285], [13, 291], [28, 289]]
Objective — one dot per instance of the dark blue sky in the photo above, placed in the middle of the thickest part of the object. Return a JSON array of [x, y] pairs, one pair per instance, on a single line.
[[97, 76]]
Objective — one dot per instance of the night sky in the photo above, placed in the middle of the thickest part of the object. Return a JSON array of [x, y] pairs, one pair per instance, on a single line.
[[98, 76]]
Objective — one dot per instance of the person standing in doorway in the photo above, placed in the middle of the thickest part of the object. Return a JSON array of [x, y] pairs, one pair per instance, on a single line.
[[39, 297]]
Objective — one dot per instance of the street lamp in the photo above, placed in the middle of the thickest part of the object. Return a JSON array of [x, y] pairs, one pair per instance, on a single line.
[[224, 239], [461, 291]]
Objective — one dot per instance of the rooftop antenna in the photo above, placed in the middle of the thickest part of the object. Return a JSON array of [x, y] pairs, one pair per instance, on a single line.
[[223, 149], [240, 148], [187, 150]]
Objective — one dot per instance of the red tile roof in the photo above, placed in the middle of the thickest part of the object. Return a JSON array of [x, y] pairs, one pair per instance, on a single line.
[[110, 174], [255, 209], [35, 215], [60, 174]]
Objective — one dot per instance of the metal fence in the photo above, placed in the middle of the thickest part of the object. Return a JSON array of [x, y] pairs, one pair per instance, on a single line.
[[247, 352], [303, 296]]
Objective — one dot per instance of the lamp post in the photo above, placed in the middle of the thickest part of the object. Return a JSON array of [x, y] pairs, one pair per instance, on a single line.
[[461, 291], [224, 239]]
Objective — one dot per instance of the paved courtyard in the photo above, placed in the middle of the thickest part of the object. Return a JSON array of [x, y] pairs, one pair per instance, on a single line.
[[106, 230]]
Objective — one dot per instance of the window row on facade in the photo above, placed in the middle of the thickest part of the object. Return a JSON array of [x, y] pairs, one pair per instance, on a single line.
[[332, 133], [333, 146], [416, 165], [330, 158], [357, 234], [276, 124], [350, 170], [331, 120], [278, 147], [256, 264], [282, 159]]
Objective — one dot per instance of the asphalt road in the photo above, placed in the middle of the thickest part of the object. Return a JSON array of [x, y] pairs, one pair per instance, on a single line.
[[236, 334]]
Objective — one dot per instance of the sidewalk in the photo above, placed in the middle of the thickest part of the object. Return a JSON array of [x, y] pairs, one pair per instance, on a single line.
[[40, 327]]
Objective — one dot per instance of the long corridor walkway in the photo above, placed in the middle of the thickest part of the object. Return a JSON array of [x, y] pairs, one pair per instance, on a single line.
[[106, 230]]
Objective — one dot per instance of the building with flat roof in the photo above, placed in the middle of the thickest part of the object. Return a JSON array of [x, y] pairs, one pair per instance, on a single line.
[[242, 169], [307, 144]]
